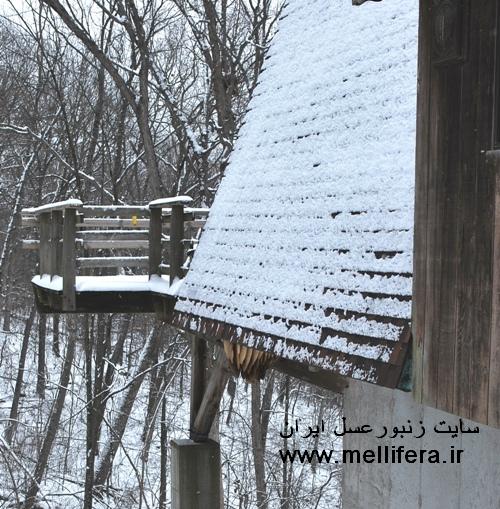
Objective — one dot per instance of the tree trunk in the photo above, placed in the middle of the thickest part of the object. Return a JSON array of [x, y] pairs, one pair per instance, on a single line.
[[163, 456], [258, 448], [321, 414], [285, 502], [54, 418], [11, 227], [7, 313], [55, 335], [90, 433], [99, 402], [14, 410], [125, 407], [42, 336]]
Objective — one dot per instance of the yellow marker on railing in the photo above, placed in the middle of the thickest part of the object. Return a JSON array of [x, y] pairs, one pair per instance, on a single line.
[[134, 220]]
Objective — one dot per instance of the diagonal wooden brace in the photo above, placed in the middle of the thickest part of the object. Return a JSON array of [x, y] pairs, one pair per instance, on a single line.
[[203, 417]]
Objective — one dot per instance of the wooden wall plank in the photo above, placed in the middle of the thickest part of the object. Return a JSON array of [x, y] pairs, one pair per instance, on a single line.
[[453, 264], [494, 371], [484, 15], [467, 141], [448, 160], [434, 231], [421, 201]]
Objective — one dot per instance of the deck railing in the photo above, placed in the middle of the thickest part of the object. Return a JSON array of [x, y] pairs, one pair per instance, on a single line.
[[75, 238]]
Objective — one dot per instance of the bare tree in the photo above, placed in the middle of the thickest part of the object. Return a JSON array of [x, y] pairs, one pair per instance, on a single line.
[[55, 417]]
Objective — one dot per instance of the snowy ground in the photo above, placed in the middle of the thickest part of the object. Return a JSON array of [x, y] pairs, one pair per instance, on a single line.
[[63, 485]]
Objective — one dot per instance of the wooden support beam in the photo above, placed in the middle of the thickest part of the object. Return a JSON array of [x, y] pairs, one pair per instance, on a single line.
[[198, 375], [318, 377], [69, 260], [209, 406]]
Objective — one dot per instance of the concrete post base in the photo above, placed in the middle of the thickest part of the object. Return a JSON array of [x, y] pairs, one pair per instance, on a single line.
[[196, 475]]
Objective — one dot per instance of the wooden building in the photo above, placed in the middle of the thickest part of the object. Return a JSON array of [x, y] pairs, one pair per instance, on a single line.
[[331, 255]]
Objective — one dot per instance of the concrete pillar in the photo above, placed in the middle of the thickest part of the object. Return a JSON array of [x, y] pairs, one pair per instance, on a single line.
[[472, 483], [196, 475]]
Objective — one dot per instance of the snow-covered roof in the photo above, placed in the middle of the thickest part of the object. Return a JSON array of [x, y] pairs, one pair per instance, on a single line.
[[307, 251]]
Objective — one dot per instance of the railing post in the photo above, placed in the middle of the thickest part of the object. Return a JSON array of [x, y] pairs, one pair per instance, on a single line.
[[198, 376], [176, 248], [44, 225], [176, 253], [56, 226], [155, 231], [69, 260]]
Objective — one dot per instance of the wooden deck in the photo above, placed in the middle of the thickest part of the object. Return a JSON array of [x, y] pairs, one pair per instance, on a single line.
[[112, 259]]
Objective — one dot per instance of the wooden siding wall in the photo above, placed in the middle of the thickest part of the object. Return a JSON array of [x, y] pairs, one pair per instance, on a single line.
[[456, 268]]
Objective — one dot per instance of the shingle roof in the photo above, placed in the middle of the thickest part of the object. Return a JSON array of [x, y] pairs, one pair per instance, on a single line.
[[307, 251]]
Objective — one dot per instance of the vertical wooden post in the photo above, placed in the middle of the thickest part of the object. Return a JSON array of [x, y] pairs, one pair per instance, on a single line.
[[198, 376], [176, 254], [69, 260], [196, 469], [209, 406], [56, 227], [155, 230], [44, 225]]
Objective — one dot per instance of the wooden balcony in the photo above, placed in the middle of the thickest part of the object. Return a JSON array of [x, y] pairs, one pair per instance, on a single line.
[[112, 259]]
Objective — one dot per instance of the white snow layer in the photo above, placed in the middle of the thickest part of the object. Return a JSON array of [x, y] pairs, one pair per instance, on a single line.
[[60, 205], [118, 283], [316, 207]]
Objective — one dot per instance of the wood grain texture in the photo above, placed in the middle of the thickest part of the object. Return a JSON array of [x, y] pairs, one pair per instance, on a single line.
[[493, 164], [198, 375], [176, 254], [484, 16], [56, 229], [155, 241], [44, 230], [209, 405], [453, 295], [69, 260], [421, 202]]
